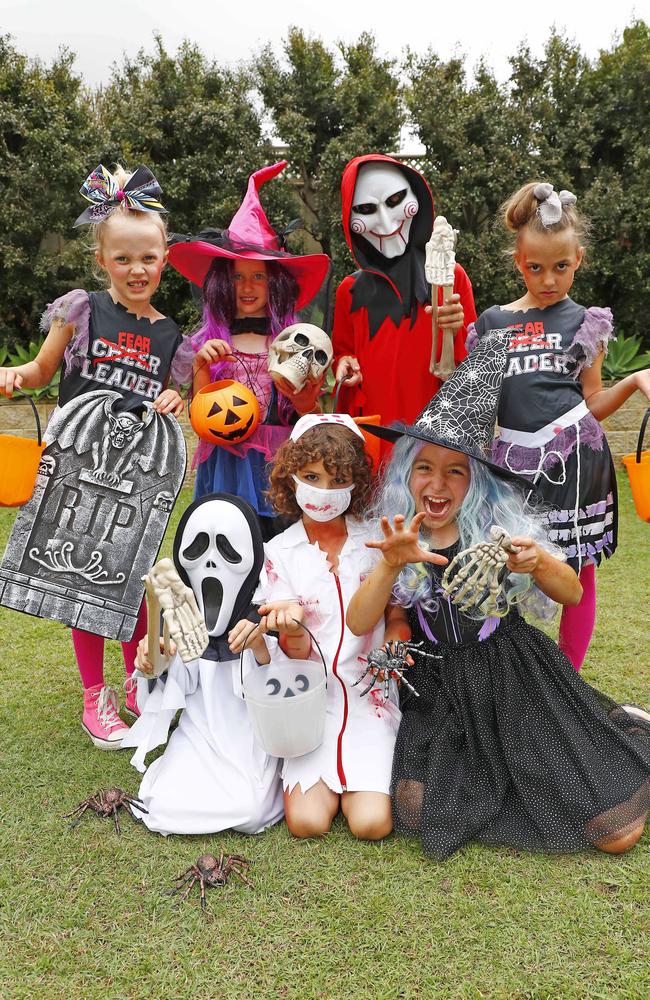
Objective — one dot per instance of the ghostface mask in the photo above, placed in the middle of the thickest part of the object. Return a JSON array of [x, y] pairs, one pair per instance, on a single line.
[[218, 552], [383, 206]]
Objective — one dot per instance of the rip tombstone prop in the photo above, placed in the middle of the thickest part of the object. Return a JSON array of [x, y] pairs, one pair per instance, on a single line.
[[106, 485]]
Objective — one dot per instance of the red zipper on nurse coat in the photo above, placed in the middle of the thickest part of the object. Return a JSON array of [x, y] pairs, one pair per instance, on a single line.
[[339, 744]]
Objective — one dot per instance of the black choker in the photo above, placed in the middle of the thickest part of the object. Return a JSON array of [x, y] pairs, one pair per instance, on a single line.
[[255, 324]]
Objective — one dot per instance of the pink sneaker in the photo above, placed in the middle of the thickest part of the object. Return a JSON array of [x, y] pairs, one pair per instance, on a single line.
[[100, 719], [131, 688]]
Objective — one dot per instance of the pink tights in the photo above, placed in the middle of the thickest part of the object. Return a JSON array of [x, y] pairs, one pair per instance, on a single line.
[[577, 623], [89, 650]]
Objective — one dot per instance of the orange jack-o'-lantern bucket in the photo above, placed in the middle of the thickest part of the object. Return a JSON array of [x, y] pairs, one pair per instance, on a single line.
[[225, 412], [19, 461], [638, 469]]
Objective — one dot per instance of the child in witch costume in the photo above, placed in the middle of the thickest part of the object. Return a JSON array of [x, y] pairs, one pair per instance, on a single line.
[[506, 744], [382, 317], [252, 290], [321, 477], [553, 398], [113, 339]]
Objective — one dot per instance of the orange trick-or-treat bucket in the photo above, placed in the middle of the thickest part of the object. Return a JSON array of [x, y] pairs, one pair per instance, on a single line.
[[19, 461], [638, 469], [225, 412]]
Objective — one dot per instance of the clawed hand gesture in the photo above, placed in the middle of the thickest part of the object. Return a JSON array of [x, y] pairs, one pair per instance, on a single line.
[[401, 543]]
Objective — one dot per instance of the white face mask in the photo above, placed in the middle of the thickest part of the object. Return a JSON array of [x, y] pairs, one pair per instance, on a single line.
[[322, 505], [383, 206], [216, 552]]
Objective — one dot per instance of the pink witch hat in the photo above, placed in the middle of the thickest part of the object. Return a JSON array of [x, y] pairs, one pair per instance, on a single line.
[[250, 237]]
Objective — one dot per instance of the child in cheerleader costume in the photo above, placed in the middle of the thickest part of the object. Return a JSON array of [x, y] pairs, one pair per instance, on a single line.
[[506, 744], [321, 478], [252, 290], [113, 339], [553, 399]]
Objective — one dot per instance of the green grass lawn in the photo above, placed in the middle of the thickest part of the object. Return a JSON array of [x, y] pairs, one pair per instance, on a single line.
[[84, 912]]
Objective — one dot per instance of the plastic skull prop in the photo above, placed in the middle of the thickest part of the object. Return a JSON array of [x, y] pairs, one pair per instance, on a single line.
[[216, 552], [383, 207], [300, 352]]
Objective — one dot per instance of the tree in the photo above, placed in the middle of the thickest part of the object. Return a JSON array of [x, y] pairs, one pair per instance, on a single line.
[[45, 127], [618, 198], [328, 106]]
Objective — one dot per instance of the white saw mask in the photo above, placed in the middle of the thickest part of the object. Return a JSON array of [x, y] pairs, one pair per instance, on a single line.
[[216, 552], [300, 352], [383, 207]]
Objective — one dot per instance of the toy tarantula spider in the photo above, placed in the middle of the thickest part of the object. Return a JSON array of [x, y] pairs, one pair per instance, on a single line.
[[107, 803], [474, 578], [211, 872], [390, 661]]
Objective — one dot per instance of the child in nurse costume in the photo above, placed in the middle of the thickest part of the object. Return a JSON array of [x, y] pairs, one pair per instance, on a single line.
[[322, 477]]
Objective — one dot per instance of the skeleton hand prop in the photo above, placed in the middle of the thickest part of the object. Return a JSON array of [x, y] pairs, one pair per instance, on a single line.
[[439, 265], [182, 620], [478, 570]]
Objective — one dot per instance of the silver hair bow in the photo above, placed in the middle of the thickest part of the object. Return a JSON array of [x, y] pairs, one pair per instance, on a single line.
[[551, 204]]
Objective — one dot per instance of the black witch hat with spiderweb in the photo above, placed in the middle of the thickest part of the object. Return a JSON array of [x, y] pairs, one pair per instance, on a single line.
[[462, 414]]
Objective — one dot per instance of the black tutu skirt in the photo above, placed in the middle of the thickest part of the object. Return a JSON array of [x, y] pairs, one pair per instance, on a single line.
[[507, 745]]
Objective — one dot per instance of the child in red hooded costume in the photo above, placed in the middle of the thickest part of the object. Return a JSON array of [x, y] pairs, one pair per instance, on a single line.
[[382, 328]]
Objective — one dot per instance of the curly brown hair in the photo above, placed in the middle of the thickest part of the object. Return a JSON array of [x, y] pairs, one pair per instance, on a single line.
[[341, 451]]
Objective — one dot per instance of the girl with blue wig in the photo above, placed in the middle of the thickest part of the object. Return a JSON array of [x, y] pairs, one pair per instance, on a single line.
[[504, 742]]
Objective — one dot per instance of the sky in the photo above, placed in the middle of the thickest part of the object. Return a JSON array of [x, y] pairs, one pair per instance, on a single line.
[[231, 31]]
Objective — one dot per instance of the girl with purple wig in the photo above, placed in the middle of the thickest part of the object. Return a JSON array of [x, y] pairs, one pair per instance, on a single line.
[[252, 290]]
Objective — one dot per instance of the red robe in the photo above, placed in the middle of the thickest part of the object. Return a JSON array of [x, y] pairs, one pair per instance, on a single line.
[[397, 383], [394, 362]]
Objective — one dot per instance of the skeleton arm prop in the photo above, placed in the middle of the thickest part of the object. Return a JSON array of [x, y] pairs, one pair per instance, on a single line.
[[182, 620], [439, 267]]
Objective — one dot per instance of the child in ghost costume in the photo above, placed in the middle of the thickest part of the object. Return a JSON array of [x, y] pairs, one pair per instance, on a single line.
[[213, 774]]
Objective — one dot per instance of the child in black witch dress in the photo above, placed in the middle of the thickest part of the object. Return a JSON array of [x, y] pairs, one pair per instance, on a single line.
[[505, 744]]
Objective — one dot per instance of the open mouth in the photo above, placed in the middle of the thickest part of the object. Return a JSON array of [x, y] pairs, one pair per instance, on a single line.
[[436, 506], [212, 594]]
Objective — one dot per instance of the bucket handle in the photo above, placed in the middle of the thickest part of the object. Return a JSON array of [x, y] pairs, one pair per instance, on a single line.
[[35, 412], [337, 392], [309, 633], [644, 424]]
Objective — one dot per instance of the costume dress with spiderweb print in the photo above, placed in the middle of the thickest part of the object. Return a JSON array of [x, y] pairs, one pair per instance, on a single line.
[[507, 744]]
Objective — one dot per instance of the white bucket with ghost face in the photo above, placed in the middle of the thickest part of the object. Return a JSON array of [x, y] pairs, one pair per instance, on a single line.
[[287, 704]]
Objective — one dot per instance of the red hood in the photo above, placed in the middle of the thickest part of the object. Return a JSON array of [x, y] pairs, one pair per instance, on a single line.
[[422, 223]]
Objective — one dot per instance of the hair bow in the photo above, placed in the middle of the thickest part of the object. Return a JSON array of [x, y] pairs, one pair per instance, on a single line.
[[141, 193], [551, 204]]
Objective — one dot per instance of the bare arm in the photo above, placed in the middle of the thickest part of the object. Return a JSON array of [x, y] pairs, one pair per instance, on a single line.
[[604, 402], [397, 626], [40, 371], [553, 577], [371, 599], [399, 546]]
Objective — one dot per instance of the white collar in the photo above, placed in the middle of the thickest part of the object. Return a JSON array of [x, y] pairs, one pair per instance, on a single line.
[[295, 534]]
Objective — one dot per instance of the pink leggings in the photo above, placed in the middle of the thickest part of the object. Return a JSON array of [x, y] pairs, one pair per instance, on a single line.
[[577, 623], [89, 650]]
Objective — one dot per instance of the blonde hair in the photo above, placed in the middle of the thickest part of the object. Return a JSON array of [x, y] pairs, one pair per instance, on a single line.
[[98, 229], [520, 211]]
